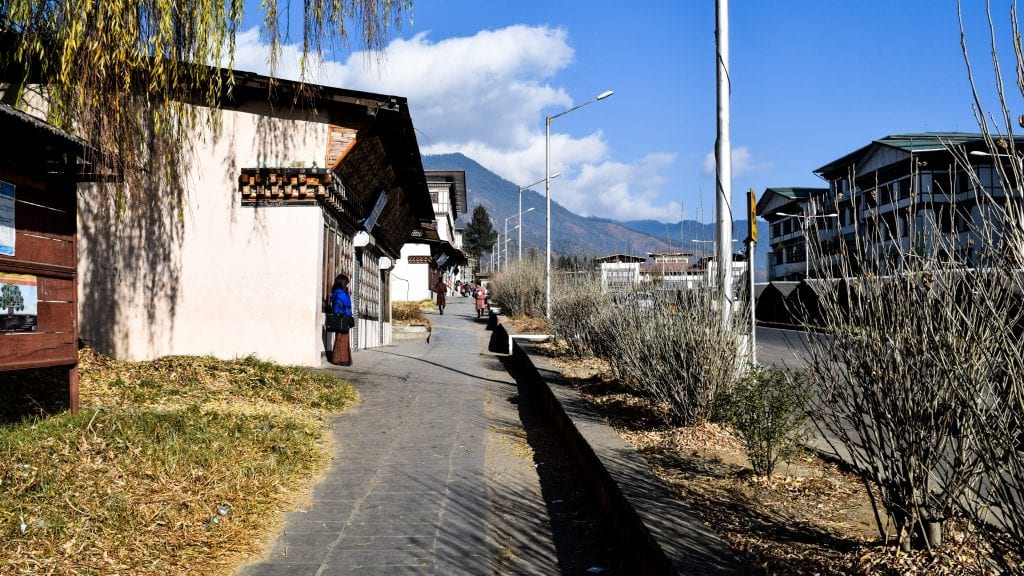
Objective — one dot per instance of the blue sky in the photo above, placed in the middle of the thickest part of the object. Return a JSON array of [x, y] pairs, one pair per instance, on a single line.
[[811, 81]]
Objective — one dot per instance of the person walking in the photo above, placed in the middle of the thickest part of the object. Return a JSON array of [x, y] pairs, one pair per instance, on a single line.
[[442, 295], [480, 293], [341, 303]]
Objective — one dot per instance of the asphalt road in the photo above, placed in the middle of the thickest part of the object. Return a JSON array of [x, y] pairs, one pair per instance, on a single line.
[[782, 348]]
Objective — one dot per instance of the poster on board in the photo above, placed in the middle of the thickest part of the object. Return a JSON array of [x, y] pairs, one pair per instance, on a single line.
[[18, 302], [6, 218]]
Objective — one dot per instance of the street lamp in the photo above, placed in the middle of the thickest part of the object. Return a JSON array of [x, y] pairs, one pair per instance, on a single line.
[[1019, 163], [547, 196], [807, 259], [521, 188], [520, 226]]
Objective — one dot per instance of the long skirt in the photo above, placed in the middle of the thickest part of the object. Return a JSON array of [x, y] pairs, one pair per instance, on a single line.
[[342, 352]]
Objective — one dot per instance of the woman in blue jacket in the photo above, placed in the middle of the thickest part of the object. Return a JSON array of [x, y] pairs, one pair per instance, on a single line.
[[341, 303]]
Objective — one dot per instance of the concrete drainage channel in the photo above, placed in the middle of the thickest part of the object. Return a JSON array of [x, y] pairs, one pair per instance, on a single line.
[[658, 534]]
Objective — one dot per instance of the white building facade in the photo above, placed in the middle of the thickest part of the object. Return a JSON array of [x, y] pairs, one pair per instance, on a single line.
[[279, 204]]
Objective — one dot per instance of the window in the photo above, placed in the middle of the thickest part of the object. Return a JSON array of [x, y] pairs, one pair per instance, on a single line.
[[367, 300], [338, 254], [904, 188]]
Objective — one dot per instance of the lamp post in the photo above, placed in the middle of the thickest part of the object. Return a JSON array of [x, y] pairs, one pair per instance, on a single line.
[[520, 226], [805, 218], [521, 188], [547, 196]]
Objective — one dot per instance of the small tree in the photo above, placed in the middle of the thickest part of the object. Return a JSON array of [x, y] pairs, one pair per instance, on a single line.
[[479, 236], [11, 299]]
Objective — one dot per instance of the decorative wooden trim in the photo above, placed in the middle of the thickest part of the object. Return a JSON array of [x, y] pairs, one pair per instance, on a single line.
[[287, 185]]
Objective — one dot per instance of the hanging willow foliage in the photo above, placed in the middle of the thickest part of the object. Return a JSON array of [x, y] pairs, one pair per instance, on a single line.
[[125, 75]]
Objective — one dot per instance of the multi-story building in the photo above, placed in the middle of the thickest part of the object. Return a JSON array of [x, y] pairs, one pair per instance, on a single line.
[[923, 195], [432, 251], [619, 272], [667, 269], [785, 210]]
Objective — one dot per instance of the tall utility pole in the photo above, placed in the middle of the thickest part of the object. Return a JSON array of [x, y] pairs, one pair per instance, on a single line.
[[723, 162]]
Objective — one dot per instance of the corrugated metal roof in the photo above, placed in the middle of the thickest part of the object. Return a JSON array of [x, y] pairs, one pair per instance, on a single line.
[[36, 148], [797, 193], [621, 258], [913, 143], [927, 141], [790, 194]]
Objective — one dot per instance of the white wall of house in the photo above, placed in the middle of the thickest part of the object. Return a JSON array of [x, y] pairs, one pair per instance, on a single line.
[[410, 282], [619, 275], [232, 280]]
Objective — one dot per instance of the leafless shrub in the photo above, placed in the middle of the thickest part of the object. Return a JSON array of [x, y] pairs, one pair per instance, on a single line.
[[675, 349], [671, 346], [577, 309], [996, 408], [519, 290], [917, 346]]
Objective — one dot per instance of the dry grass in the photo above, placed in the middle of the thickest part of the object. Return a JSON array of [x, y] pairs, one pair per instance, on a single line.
[[812, 517], [180, 465], [412, 312]]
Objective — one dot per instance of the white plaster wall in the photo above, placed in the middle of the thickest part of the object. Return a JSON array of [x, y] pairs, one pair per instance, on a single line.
[[409, 282], [246, 280]]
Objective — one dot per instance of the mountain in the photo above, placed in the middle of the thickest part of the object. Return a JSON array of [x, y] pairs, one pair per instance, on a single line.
[[572, 234]]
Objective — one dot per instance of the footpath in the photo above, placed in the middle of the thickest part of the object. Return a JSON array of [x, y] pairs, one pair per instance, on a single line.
[[444, 467]]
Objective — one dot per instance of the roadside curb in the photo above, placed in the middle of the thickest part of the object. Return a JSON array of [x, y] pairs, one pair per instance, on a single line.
[[658, 532]]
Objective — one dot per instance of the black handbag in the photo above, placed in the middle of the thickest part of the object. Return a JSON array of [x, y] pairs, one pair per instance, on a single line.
[[339, 323]]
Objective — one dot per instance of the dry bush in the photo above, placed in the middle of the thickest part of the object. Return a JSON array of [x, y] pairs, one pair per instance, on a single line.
[[918, 349], [675, 350], [577, 307], [996, 411], [919, 378], [410, 312], [519, 290]]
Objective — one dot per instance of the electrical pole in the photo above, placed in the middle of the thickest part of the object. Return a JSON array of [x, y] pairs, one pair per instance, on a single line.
[[723, 162]]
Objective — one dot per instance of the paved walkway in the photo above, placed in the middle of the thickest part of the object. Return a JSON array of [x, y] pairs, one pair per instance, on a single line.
[[432, 474]]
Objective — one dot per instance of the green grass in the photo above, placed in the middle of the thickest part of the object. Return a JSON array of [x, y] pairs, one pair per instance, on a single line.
[[179, 465]]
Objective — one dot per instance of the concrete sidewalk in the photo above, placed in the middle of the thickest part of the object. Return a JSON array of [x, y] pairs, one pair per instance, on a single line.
[[432, 472]]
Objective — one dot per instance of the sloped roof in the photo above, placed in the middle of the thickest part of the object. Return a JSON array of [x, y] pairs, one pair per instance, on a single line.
[[457, 180], [384, 157], [774, 198], [40, 149], [915, 143], [621, 258]]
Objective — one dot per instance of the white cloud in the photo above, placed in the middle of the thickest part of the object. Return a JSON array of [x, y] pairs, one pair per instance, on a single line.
[[743, 163], [620, 191], [485, 96]]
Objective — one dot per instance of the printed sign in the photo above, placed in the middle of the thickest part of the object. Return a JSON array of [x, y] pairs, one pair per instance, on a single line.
[[6, 218], [18, 303], [419, 259]]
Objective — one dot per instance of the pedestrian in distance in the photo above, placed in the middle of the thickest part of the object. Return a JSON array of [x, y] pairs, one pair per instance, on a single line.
[[480, 293], [442, 295], [341, 303]]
